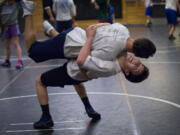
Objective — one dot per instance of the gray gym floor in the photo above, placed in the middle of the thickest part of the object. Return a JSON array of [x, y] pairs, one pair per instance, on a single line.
[[148, 108]]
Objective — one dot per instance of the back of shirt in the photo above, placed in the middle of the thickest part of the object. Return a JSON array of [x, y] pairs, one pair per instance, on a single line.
[[108, 43], [64, 9], [171, 4]]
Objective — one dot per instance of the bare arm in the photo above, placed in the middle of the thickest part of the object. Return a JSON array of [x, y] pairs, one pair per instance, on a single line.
[[99, 25], [50, 14], [96, 6], [86, 49], [178, 5]]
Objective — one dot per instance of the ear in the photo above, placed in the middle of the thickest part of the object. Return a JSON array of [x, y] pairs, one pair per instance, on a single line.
[[126, 72]]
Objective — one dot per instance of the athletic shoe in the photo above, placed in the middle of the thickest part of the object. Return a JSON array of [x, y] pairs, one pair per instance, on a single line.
[[43, 124], [171, 37], [93, 114], [6, 63], [47, 27], [28, 7], [19, 64], [149, 24]]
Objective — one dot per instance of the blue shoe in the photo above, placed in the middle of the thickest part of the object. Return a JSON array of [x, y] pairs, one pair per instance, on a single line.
[[43, 124]]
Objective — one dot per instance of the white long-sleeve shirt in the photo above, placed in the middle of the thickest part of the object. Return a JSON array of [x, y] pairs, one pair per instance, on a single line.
[[95, 68], [64, 9]]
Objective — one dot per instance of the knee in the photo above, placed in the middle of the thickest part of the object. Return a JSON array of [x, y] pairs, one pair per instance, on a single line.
[[38, 81], [16, 45]]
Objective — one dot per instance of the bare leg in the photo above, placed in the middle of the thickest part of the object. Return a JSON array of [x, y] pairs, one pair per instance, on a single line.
[[17, 46], [53, 33], [46, 120], [8, 49], [80, 89], [172, 29], [41, 92], [30, 34]]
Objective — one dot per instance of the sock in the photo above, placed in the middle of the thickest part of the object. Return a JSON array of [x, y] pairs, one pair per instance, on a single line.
[[45, 112], [48, 27], [86, 102]]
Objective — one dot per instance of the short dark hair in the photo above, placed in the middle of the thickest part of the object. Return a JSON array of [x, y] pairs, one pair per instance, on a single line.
[[143, 48], [138, 78]]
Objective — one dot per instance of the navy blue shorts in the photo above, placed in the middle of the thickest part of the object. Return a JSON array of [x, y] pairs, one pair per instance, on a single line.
[[63, 25], [148, 11], [52, 48], [171, 16], [58, 77]]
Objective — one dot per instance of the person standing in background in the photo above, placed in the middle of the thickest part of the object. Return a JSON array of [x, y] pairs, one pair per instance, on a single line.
[[111, 13], [47, 12], [102, 8], [9, 19], [148, 12], [178, 14], [65, 12], [171, 14]]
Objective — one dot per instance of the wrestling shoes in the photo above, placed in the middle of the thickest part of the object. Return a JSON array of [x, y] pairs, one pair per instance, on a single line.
[[43, 124], [93, 114]]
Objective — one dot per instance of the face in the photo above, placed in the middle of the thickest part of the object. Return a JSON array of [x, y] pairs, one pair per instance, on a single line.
[[133, 65]]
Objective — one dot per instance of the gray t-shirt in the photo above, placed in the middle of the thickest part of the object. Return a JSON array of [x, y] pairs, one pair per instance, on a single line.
[[9, 13]]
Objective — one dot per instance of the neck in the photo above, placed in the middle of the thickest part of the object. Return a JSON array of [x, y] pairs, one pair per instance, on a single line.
[[129, 44]]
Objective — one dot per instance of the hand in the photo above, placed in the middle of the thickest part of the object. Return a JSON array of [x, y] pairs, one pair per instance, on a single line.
[[96, 6], [92, 1], [91, 31], [52, 20]]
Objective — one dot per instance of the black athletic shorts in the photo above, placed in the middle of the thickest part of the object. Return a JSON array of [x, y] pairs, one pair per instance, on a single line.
[[58, 77]]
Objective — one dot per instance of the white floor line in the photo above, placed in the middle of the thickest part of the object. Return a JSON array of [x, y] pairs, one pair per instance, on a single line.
[[134, 125], [167, 47], [12, 81], [15, 59], [62, 122], [53, 129], [56, 65], [162, 62], [100, 93], [42, 66], [166, 51]]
